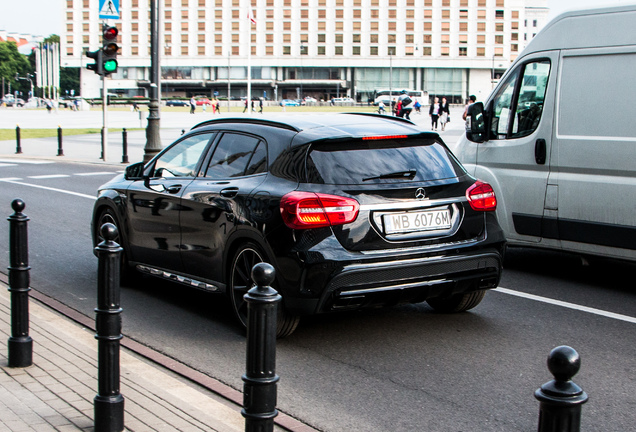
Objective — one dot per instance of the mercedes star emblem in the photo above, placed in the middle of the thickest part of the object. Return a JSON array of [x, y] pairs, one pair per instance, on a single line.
[[420, 193]]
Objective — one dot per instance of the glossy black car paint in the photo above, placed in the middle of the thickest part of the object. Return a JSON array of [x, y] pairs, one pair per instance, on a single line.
[[194, 226]]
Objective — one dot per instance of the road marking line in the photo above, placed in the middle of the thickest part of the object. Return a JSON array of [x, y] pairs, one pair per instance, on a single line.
[[95, 173], [7, 164], [50, 188], [48, 176], [568, 305], [9, 179], [26, 161]]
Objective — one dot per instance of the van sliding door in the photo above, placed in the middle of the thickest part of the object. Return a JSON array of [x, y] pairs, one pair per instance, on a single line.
[[596, 143]]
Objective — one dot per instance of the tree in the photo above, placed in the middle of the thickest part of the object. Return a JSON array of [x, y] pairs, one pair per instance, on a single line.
[[13, 63]]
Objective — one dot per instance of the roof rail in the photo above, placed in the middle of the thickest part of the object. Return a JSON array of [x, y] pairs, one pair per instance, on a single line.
[[381, 116], [247, 121]]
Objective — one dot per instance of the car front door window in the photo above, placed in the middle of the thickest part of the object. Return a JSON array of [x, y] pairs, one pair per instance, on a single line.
[[182, 158]]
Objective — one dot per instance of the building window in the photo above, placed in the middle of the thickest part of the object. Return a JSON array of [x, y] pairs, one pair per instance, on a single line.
[[201, 50], [373, 50], [499, 14], [481, 52], [339, 50], [427, 51], [321, 50], [463, 51], [355, 50], [269, 50], [286, 50], [391, 50]]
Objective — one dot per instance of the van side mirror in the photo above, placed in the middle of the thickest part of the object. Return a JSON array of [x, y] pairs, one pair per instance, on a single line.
[[134, 171], [476, 123]]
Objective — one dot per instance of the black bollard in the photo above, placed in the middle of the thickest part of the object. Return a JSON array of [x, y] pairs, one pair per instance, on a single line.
[[561, 399], [124, 144], [109, 403], [18, 144], [260, 379], [60, 152], [20, 343]]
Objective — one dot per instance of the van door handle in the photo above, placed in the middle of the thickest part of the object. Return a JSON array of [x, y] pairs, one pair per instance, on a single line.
[[229, 192], [540, 151]]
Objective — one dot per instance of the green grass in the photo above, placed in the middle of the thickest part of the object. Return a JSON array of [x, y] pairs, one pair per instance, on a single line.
[[10, 134]]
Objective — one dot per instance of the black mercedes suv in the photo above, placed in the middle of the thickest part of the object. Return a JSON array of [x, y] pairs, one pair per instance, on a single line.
[[352, 210]]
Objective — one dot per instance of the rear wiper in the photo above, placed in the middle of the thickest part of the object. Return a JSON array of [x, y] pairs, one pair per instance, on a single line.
[[398, 174]]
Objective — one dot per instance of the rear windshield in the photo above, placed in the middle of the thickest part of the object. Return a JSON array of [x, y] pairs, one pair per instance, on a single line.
[[382, 161]]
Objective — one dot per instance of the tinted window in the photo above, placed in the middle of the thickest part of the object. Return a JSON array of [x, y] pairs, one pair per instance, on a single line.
[[181, 159], [232, 155], [385, 161]]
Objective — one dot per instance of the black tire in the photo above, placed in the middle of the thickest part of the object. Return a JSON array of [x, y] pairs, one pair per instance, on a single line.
[[457, 302], [127, 273], [240, 282]]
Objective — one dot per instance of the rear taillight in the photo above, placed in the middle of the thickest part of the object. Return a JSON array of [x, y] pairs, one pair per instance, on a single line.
[[481, 197], [302, 210]]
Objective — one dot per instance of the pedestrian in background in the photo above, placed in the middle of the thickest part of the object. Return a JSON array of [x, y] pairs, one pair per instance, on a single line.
[[471, 100], [433, 113], [444, 113], [193, 105]]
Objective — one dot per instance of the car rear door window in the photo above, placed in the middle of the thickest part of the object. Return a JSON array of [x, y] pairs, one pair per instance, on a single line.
[[382, 161], [236, 155]]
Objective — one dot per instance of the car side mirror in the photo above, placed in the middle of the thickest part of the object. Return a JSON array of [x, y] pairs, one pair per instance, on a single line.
[[476, 123], [134, 171]]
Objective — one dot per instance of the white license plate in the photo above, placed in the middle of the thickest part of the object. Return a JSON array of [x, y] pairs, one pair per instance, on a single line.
[[417, 221]]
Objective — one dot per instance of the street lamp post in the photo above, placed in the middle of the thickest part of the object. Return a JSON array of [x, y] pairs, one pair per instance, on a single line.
[[153, 140]]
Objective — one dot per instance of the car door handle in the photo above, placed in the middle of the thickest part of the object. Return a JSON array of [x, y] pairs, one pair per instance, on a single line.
[[540, 151], [173, 189], [229, 192]]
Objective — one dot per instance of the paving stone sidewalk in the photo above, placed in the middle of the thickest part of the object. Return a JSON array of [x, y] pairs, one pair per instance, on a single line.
[[56, 393]]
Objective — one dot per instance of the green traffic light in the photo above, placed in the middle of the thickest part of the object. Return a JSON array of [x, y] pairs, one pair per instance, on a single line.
[[110, 65]]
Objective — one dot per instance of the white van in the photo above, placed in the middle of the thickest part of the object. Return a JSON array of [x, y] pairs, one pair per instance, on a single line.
[[557, 137]]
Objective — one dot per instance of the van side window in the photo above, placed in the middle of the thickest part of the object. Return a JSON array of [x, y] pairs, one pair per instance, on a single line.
[[530, 100], [525, 91]]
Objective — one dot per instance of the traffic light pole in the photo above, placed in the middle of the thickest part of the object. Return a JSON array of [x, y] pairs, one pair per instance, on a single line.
[[104, 117]]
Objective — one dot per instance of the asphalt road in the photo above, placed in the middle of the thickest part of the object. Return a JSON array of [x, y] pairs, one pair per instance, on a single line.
[[400, 369]]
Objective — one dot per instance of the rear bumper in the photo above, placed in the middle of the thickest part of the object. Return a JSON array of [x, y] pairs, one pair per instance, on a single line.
[[386, 283]]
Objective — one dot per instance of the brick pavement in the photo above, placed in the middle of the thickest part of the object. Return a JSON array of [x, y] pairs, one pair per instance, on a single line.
[[56, 393]]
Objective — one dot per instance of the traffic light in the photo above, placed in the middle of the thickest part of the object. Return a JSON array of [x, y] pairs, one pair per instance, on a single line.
[[109, 50], [97, 66]]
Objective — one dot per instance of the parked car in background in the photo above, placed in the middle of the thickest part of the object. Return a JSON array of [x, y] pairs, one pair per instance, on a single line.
[[177, 102], [343, 101], [289, 102], [352, 210], [202, 100], [10, 100]]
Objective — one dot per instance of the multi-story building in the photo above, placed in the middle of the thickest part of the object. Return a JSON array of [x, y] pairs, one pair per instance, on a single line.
[[319, 48]]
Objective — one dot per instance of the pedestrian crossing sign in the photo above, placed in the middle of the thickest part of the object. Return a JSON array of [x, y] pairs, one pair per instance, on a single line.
[[109, 9]]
